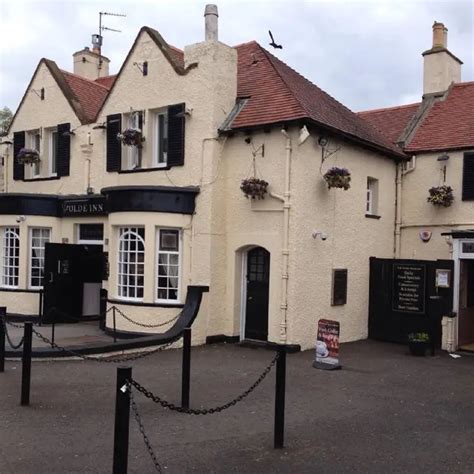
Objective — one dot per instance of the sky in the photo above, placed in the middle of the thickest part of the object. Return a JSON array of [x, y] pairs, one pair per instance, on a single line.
[[366, 54]]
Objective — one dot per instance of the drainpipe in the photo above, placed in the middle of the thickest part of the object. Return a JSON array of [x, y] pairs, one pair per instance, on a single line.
[[285, 250], [398, 212]]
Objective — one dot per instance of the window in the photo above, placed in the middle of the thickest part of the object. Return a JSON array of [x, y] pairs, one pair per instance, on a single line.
[[131, 263], [134, 152], [10, 264], [91, 234], [339, 287], [468, 177], [371, 207], [34, 142], [38, 238], [53, 152], [168, 265], [161, 139]]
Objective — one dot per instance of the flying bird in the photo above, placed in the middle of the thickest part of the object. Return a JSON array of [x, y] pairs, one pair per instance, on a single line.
[[276, 46]]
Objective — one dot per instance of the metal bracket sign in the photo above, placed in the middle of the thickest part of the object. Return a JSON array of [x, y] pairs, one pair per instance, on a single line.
[[409, 288]]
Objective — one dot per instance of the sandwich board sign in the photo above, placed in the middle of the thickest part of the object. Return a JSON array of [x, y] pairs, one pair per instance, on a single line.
[[327, 345]]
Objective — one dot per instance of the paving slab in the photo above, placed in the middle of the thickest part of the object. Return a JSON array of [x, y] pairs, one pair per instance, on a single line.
[[384, 412]]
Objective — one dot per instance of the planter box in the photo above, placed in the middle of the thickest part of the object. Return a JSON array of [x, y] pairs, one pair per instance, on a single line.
[[418, 348]]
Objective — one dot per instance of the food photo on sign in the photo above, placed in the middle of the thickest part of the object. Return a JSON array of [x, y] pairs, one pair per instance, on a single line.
[[327, 345]]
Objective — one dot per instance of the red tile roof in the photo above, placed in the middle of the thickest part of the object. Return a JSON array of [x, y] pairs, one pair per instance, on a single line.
[[391, 121], [449, 123], [278, 93], [89, 94], [107, 81]]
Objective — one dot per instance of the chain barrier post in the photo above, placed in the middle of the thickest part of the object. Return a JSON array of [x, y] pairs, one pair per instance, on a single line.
[[280, 382], [3, 315], [115, 327], [53, 324], [40, 307], [26, 365], [122, 420], [186, 368]]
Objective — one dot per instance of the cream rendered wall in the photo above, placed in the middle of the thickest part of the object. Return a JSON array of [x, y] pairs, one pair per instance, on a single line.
[[440, 69], [352, 238], [418, 214]]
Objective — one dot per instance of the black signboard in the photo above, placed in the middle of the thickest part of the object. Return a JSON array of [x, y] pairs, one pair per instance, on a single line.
[[409, 283], [83, 207]]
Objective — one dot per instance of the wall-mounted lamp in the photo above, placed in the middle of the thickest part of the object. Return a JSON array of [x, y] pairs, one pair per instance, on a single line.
[[69, 133], [304, 135], [443, 161], [20, 219], [323, 141], [317, 233], [187, 113], [443, 157]]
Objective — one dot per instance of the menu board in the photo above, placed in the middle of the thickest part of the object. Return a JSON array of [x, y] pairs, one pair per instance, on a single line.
[[409, 283]]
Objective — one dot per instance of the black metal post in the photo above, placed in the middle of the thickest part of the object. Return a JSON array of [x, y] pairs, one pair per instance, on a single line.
[[53, 324], [3, 315], [40, 307], [122, 421], [280, 382], [115, 327], [26, 365], [186, 369]]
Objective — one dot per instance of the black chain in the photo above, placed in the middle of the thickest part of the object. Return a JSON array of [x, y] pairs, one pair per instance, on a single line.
[[139, 421], [204, 411], [144, 325], [13, 346], [64, 315], [120, 359]]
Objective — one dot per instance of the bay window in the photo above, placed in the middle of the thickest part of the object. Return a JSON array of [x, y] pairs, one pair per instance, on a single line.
[[38, 238], [131, 263], [168, 265]]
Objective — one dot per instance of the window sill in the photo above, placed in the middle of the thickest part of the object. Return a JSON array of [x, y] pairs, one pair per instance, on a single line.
[[141, 303], [48, 178], [18, 290], [372, 216], [145, 170]]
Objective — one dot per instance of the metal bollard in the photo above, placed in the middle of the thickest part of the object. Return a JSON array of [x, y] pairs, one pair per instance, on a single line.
[[26, 365], [40, 307], [3, 314], [122, 421], [115, 327], [186, 368], [280, 382]]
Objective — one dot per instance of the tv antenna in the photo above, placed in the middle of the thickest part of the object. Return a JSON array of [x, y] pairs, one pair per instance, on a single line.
[[97, 40]]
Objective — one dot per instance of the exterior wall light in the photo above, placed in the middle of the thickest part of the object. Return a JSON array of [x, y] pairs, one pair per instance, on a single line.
[[323, 141], [318, 233]]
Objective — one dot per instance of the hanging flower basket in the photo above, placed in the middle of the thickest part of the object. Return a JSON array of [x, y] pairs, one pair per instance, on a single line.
[[131, 137], [254, 188], [338, 178], [441, 196], [27, 156]]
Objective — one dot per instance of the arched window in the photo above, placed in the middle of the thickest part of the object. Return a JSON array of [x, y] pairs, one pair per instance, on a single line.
[[131, 262], [10, 263]]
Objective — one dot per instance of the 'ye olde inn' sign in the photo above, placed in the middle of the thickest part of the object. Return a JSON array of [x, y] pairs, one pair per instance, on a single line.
[[409, 283], [83, 207]]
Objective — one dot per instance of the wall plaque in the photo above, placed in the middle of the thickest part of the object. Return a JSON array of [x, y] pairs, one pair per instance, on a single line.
[[409, 284]]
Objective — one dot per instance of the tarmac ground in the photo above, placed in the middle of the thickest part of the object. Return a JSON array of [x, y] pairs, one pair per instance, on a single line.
[[384, 412]]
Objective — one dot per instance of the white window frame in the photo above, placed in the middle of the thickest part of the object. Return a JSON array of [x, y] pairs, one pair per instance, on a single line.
[[371, 203], [52, 152], [160, 252], [34, 144], [156, 138], [134, 158], [41, 248], [124, 259], [10, 272], [89, 241]]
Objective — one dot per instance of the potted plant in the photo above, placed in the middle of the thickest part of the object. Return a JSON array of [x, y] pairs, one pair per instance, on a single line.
[[441, 196], [254, 188], [27, 156], [418, 343], [338, 178], [131, 137]]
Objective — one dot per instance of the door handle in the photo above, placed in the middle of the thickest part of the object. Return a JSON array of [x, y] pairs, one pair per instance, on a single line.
[[250, 298], [51, 274]]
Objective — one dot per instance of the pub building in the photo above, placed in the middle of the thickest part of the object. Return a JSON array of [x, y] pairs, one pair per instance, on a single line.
[[220, 165]]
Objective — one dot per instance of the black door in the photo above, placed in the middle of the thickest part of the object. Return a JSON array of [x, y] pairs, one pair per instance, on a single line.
[[67, 267], [256, 314]]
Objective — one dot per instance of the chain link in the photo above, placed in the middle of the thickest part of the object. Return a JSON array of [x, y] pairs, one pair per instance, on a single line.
[[144, 325], [204, 411], [67, 316], [120, 359], [139, 421], [12, 344]]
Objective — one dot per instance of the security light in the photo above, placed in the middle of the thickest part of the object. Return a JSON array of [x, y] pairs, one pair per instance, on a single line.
[[323, 141]]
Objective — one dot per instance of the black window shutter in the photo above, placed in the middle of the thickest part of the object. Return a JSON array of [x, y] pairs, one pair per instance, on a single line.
[[468, 177], [114, 145], [18, 144], [64, 149], [176, 135], [339, 287]]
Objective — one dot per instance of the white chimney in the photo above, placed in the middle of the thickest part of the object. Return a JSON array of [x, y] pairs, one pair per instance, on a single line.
[[441, 68], [211, 21]]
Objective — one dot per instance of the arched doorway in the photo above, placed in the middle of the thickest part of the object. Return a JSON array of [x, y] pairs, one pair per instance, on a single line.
[[256, 291]]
